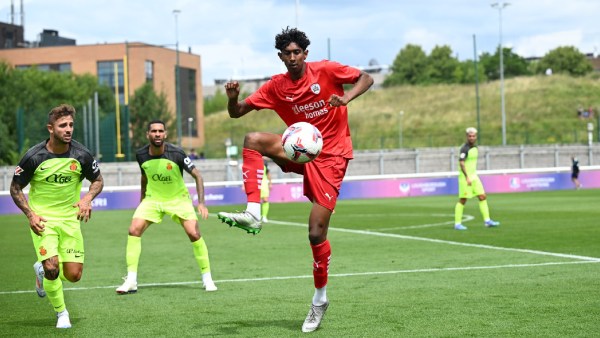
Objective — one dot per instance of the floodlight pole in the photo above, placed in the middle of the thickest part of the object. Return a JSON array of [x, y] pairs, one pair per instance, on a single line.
[[500, 6], [176, 12]]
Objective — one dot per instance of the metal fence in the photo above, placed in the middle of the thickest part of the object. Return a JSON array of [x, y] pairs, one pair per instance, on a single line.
[[383, 162]]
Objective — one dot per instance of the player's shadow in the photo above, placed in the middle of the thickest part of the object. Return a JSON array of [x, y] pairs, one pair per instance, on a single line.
[[238, 327]]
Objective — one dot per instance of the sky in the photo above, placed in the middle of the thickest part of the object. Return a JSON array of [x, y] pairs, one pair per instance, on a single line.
[[235, 39]]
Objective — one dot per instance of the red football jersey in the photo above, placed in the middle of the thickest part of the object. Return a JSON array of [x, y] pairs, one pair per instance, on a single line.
[[305, 100]]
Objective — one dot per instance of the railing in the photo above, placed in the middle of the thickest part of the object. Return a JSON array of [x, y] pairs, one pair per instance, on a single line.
[[378, 162]]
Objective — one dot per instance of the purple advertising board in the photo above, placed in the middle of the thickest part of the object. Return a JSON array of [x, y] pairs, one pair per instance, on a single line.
[[112, 199]]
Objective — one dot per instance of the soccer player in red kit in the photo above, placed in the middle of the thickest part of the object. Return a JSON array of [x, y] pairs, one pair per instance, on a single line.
[[309, 92]]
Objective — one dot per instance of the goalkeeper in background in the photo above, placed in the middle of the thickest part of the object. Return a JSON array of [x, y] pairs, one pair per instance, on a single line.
[[469, 184]]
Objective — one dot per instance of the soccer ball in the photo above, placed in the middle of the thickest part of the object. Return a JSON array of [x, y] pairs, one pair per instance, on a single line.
[[302, 142]]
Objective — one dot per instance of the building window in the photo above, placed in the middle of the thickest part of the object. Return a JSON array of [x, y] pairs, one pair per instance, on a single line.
[[64, 67], [45, 67], [149, 70], [106, 76], [187, 85]]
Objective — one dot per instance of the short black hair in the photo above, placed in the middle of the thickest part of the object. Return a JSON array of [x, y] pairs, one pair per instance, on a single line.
[[155, 121], [289, 35], [60, 111]]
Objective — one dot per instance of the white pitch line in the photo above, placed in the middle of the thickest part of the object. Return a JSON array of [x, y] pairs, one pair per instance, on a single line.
[[432, 240], [466, 218], [351, 274]]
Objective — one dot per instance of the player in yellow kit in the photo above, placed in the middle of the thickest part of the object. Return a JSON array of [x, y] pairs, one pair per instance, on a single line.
[[164, 192], [54, 170], [469, 184]]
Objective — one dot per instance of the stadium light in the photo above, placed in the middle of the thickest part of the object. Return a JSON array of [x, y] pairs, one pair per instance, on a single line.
[[176, 12], [500, 6]]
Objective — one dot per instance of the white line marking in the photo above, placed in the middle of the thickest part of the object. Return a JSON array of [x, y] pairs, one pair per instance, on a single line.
[[351, 274], [466, 218], [432, 240]]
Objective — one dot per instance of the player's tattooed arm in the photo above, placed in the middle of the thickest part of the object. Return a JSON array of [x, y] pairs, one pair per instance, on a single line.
[[85, 204], [35, 221]]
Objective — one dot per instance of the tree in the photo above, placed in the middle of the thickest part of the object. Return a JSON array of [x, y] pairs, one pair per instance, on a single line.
[[514, 65], [218, 102], [565, 60], [146, 105], [33, 93], [8, 153], [441, 66], [409, 67], [465, 72]]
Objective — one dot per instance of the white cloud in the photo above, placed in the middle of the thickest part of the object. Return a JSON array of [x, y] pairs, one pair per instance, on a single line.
[[237, 36], [539, 45]]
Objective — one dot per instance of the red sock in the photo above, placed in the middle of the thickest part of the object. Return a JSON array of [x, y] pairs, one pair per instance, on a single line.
[[251, 170], [321, 256]]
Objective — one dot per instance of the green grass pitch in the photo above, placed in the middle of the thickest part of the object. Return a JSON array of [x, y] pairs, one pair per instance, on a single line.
[[398, 269]]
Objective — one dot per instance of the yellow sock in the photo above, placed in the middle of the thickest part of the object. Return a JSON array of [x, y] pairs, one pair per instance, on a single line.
[[54, 291], [264, 209], [134, 250], [61, 273], [458, 213], [201, 255], [485, 211]]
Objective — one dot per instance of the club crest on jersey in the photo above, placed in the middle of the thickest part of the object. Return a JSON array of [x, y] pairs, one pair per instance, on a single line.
[[315, 88], [169, 166], [43, 251], [18, 171], [73, 166]]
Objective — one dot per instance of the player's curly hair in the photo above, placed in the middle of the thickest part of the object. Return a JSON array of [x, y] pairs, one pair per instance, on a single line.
[[289, 35], [60, 111]]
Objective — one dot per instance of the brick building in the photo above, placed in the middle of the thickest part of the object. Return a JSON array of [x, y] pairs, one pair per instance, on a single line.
[[145, 63]]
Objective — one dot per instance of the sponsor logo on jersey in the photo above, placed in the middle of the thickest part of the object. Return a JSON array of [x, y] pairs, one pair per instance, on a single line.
[[161, 178], [18, 171], [311, 110], [43, 251], [315, 88], [58, 178]]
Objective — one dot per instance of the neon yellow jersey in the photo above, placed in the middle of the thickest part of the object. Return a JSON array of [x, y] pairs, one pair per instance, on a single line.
[[469, 155], [55, 179], [165, 172]]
